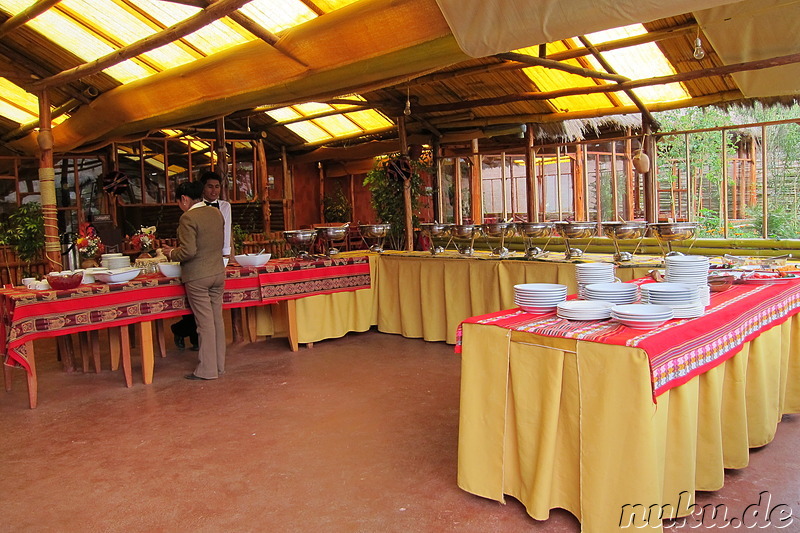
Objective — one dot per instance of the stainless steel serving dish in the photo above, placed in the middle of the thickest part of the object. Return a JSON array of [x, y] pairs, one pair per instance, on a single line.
[[575, 230], [374, 234], [301, 240], [535, 230], [673, 231], [499, 230], [465, 232], [617, 231], [332, 234], [435, 230]]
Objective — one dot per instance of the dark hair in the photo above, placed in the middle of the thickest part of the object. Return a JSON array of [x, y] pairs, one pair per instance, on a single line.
[[192, 189], [208, 175]]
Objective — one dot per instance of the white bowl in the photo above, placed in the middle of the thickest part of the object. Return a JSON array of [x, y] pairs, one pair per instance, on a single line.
[[253, 260], [170, 269], [118, 275]]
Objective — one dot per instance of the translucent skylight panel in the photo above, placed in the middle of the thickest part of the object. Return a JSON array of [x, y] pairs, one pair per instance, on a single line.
[[73, 37], [14, 113], [277, 15], [646, 61], [26, 104], [331, 5], [338, 125], [308, 131], [369, 119], [311, 108], [283, 113], [615, 34]]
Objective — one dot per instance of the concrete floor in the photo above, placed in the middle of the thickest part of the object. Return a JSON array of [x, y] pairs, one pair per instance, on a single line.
[[356, 434]]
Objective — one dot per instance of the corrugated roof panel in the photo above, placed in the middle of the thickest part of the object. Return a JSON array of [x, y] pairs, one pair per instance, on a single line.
[[308, 131], [338, 125], [16, 104], [369, 119], [283, 113], [215, 37], [277, 15], [127, 28], [73, 37], [310, 108], [332, 5]]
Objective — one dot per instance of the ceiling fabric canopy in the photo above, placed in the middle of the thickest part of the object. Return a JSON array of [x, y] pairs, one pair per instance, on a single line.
[[753, 30], [484, 28]]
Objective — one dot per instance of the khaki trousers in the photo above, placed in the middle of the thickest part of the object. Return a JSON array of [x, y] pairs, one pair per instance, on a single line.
[[205, 299]]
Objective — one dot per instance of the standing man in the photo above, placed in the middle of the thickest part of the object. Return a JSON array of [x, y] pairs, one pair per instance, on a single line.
[[200, 242], [212, 188]]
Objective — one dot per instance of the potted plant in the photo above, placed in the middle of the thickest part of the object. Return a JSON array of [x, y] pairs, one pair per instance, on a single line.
[[23, 231]]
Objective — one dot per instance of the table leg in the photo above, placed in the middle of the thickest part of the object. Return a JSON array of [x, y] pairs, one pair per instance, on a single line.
[[114, 346], [236, 325], [83, 346], [94, 341], [146, 338], [287, 310], [250, 317], [7, 376], [124, 346], [64, 347], [33, 385], [162, 346]]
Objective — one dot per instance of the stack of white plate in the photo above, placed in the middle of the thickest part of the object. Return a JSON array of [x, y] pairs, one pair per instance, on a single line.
[[689, 270], [584, 310], [685, 300], [642, 316], [617, 293], [539, 297], [588, 273], [114, 261]]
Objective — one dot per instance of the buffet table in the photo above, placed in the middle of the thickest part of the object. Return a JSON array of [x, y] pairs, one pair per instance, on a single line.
[[426, 296], [28, 315], [599, 427]]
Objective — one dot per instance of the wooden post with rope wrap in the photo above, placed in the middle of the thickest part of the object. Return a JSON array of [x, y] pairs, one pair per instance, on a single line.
[[47, 185]]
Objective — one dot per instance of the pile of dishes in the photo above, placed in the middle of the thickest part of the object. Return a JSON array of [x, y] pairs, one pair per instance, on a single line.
[[114, 261], [616, 293], [641, 316], [584, 310], [588, 273], [539, 298], [683, 299], [689, 270]]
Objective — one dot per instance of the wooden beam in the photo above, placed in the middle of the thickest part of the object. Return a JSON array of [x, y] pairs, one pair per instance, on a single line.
[[557, 65], [28, 127], [318, 115], [215, 11], [313, 7], [632, 95], [632, 84], [27, 14], [194, 3]]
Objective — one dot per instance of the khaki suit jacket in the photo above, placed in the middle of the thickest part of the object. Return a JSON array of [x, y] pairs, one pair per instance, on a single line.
[[200, 238]]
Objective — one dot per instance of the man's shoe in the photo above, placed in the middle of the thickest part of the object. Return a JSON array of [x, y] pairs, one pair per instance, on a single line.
[[179, 342], [195, 378], [195, 348]]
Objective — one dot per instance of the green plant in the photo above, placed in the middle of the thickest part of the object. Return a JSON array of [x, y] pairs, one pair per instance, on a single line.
[[239, 236], [336, 207], [387, 197], [23, 230]]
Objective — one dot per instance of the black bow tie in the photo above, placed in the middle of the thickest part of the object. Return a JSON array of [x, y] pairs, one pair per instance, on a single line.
[[212, 204]]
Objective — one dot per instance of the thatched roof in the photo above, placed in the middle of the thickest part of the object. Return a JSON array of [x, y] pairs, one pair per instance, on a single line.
[[447, 59]]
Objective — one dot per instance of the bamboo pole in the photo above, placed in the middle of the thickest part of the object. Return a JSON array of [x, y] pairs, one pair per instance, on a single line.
[[565, 67], [764, 195], [579, 180], [47, 185], [263, 179], [222, 157], [614, 185], [409, 215], [321, 172], [437, 180], [531, 189], [288, 191], [215, 11], [723, 197], [503, 186], [27, 14], [476, 186]]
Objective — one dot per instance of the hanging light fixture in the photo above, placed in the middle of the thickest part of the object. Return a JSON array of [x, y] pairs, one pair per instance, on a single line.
[[698, 53], [407, 110]]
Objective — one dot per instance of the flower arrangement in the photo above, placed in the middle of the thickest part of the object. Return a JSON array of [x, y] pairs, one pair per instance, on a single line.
[[144, 239], [88, 242]]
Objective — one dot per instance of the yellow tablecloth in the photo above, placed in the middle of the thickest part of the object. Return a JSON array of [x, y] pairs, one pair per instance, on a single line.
[[421, 296], [571, 424]]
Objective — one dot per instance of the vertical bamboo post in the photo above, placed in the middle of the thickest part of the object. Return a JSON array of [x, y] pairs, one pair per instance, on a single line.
[[409, 215], [579, 197], [764, 195], [476, 186], [47, 185], [614, 186], [723, 197], [690, 216], [263, 178], [503, 186], [650, 194], [598, 197], [288, 191], [558, 180], [631, 188], [222, 158], [531, 189], [458, 216], [437, 180], [321, 169]]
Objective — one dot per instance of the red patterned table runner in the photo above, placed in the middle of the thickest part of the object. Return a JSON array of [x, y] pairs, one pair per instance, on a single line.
[[30, 315], [681, 348]]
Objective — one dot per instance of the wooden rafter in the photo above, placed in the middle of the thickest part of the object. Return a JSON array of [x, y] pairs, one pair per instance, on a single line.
[[606, 65], [194, 3], [321, 114], [313, 7], [29, 13], [195, 22], [633, 84], [557, 65], [37, 70], [146, 17]]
